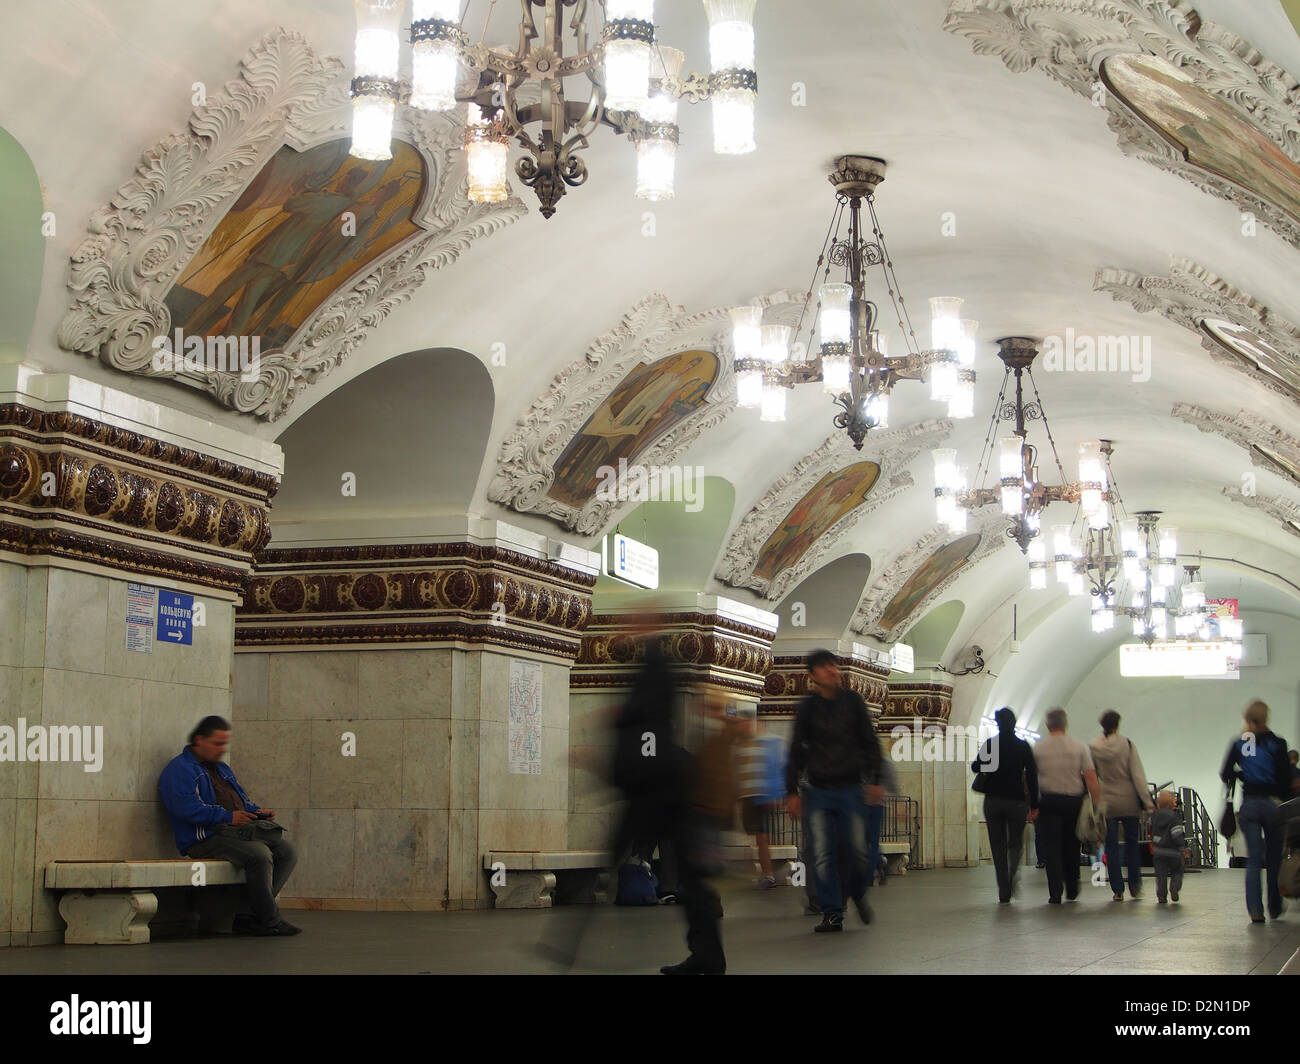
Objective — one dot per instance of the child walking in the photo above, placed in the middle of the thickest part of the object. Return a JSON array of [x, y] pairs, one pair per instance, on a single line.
[[1169, 847]]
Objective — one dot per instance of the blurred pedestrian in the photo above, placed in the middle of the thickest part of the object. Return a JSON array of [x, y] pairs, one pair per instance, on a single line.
[[1010, 788]]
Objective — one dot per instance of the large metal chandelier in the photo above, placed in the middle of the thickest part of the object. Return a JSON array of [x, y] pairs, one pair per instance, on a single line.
[[852, 365], [1021, 493], [635, 86]]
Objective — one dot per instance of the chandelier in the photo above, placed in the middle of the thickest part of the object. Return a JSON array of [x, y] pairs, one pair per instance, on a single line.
[[635, 86], [852, 365], [1020, 492]]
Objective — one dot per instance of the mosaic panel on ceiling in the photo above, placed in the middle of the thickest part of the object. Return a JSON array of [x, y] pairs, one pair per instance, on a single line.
[[830, 499], [648, 403]]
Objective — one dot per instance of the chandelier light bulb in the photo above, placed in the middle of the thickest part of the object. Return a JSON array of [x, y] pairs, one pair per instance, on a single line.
[[1092, 466], [733, 122], [944, 508], [834, 322], [943, 380], [375, 87], [1168, 545], [656, 159], [435, 54], [773, 403], [945, 468], [957, 524], [1013, 501], [1075, 585], [1099, 518], [660, 107], [747, 331], [962, 403], [835, 374], [1038, 579], [945, 323], [1062, 542], [1166, 574], [1011, 458], [966, 342], [776, 346], [749, 389], [487, 153], [1193, 596], [877, 410], [628, 51], [731, 34], [1159, 595]]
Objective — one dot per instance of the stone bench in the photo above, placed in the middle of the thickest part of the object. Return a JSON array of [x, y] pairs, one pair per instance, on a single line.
[[537, 879], [113, 902]]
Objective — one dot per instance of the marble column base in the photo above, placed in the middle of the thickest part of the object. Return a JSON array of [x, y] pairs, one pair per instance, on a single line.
[[103, 917]]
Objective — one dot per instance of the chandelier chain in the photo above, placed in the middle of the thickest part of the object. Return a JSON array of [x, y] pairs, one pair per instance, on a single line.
[[987, 449], [832, 233], [891, 281], [1048, 428]]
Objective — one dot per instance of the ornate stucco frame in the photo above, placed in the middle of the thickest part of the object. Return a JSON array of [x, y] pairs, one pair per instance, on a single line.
[[1189, 294], [1068, 40], [992, 529], [141, 241], [893, 450], [651, 330]]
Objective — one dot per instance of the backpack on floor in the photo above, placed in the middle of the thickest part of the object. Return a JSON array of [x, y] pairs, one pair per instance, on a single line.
[[637, 885]]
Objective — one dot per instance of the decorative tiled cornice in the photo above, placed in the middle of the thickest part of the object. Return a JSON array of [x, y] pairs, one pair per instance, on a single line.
[[1249, 432], [1283, 509], [907, 701], [704, 648], [403, 593], [787, 684], [77, 488]]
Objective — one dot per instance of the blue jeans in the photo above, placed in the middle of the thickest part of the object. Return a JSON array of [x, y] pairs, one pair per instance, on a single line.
[[1132, 854], [1259, 823], [837, 821]]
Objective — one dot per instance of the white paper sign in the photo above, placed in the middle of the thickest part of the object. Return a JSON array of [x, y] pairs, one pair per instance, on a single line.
[[141, 602], [525, 733]]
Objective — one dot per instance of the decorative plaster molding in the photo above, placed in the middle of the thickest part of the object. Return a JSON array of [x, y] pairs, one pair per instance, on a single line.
[[652, 330], [1283, 509], [1068, 40], [931, 702], [1190, 294], [893, 451], [992, 529], [140, 242], [1248, 432]]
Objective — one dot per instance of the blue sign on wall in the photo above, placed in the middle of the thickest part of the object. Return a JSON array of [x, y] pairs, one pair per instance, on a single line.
[[175, 618]]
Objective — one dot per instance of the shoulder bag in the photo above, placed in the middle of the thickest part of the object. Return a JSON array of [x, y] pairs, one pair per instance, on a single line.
[[1228, 822]]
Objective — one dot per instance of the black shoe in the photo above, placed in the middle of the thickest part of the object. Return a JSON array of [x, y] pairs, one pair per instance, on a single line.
[[1173, 895], [830, 922], [1273, 914], [281, 929], [1053, 901], [668, 899], [864, 910], [692, 965], [1256, 919]]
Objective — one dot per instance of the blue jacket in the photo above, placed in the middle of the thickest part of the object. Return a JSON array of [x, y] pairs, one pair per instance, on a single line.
[[190, 800]]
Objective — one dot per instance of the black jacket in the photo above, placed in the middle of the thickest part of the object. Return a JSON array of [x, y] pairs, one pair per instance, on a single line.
[[834, 743], [1017, 773], [649, 711]]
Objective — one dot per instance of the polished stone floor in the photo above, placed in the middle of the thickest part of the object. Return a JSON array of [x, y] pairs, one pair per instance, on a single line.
[[927, 922]]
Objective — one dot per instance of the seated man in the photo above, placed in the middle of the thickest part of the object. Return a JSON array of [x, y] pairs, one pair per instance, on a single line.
[[212, 817]]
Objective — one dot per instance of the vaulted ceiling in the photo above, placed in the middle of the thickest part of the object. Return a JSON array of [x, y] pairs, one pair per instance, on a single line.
[[1028, 172]]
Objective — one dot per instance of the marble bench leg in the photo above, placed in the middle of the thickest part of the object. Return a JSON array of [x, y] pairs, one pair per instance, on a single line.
[[897, 863], [525, 890], [107, 917], [585, 886]]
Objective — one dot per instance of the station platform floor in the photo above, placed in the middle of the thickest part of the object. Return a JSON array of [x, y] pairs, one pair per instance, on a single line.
[[937, 921]]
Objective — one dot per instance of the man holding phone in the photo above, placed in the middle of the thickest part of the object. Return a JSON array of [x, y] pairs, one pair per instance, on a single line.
[[212, 817]]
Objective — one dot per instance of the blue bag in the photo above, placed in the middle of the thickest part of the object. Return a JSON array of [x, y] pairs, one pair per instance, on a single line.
[[637, 885]]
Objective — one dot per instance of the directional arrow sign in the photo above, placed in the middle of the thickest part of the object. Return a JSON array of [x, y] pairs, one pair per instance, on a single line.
[[175, 618]]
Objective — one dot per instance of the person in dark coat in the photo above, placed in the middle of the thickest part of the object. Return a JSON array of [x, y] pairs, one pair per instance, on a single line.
[[1006, 765], [835, 747]]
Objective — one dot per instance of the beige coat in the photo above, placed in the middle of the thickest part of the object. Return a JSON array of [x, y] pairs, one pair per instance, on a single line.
[[1121, 776]]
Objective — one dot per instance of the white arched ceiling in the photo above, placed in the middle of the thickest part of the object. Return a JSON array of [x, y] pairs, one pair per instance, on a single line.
[[825, 600], [411, 432], [24, 246], [1027, 172], [687, 533], [930, 637]]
